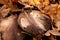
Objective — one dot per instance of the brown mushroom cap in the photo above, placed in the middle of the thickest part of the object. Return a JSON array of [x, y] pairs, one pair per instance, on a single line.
[[34, 22], [7, 23], [9, 30]]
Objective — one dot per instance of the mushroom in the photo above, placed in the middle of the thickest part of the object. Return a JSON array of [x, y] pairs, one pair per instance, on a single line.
[[9, 29], [34, 22]]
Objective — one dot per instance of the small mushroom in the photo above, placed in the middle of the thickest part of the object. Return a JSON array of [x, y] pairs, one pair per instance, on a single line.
[[9, 29]]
